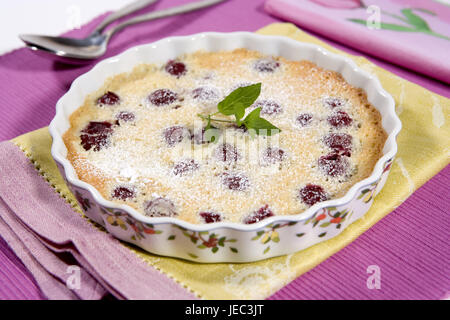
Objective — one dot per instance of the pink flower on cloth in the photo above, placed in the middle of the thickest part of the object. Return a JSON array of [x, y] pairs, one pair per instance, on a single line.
[[339, 4]]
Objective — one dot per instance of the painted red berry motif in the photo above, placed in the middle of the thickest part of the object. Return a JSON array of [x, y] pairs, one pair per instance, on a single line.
[[334, 102], [266, 65], [175, 68], [125, 116], [336, 220], [227, 153], [312, 193], [340, 142], [159, 207], [340, 119], [109, 98], [333, 164], [205, 94], [185, 167], [176, 134], [211, 242], [148, 230], [304, 119], [261, 214], [123, 193], [235, 181], [210, 217], [269, 107], [162, 97], [321, 217], [96, 135], [273, 155]]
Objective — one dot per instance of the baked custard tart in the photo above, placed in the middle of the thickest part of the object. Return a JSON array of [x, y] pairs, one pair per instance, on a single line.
[[162, 138]]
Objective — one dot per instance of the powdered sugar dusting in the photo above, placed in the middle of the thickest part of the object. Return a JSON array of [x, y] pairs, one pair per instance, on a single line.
[[192, 176]]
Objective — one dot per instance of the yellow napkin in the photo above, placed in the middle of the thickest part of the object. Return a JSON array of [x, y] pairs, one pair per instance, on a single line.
[[423, 151]]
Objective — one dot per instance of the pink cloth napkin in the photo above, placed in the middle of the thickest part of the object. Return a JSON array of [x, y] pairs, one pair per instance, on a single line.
[[414, 34], [53, 242]]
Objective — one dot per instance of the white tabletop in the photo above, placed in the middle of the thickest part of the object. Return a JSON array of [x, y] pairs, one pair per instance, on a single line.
[[47, 17]]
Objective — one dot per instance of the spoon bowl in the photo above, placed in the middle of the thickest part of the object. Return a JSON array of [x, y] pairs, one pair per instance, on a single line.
[[94, 46], [89, 48]]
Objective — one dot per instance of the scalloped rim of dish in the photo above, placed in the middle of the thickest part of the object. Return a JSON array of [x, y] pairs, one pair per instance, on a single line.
[[390, 147]]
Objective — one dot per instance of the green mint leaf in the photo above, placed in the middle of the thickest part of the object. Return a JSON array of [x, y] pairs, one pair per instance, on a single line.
[[255, 122], [239, 100]]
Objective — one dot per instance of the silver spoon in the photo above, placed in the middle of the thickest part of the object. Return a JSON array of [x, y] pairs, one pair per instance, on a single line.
[[95, 45]]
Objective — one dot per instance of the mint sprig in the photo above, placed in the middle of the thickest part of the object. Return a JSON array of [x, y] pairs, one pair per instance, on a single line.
[[239, 100], [260, 125], [235, 104]]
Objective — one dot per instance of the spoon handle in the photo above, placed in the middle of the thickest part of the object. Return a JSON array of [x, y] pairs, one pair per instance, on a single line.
[[132, 7], [163, 13]]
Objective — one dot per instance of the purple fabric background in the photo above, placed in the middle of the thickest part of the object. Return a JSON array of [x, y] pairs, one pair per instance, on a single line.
[[413, 261], [49, 237]]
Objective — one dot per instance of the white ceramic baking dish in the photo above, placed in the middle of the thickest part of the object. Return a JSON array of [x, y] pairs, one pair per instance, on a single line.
[[224, 241]]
